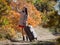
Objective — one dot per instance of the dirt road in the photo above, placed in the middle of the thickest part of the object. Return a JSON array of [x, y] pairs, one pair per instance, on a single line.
[[44, 34]]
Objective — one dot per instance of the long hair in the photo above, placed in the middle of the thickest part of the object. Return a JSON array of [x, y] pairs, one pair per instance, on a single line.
[[25, 10]]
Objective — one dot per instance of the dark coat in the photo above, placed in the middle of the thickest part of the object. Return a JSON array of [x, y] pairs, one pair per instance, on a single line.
[[29, 33]]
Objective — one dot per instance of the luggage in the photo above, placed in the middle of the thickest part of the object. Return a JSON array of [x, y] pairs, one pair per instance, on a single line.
[[29, 33]]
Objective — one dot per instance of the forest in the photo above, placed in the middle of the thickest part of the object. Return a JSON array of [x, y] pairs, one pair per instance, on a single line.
[[41, 13]]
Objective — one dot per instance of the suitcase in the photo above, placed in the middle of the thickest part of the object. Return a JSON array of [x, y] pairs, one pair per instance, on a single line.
[[29, 33]]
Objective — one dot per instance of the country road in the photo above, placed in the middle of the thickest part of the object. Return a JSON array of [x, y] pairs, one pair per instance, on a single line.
[[44, 34]]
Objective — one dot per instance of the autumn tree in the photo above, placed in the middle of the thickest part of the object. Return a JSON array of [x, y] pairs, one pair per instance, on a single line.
[[4, 10], [50, 16], [10, 16], [46, 7], [34, 15]]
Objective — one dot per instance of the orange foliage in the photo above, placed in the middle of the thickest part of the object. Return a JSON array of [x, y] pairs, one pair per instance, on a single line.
[[34, 17]]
